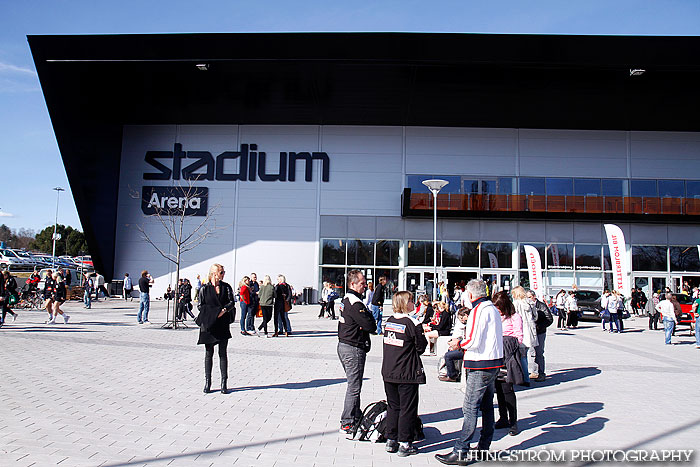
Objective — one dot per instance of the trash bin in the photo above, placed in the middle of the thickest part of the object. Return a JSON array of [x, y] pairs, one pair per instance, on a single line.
[[115, 288], [307, 295]]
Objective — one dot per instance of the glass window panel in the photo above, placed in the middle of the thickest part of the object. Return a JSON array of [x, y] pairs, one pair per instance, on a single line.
[[692, 188], [539, 247], [557, 280], [361, 252], [560, 186], [531, 186], [451, 254], [470, 185], [588, 257], [496, 255], [470, 254], [671, 188], [335, 276], [414, 182], [333, 251], [648, 258], [685, 258], [454, 185], [489, 186], [388, 252], [643, 188], [505, 186], [420, 253], [392, 281], [587, 186], [560, 256], [588, 280], [524, 279], [612, 187]]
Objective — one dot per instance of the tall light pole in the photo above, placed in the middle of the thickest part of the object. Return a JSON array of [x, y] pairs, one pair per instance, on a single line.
[[58, 191], [435, 185]]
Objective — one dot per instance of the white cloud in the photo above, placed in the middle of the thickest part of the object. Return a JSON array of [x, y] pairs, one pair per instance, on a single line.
[[6, 214], [6, 67]]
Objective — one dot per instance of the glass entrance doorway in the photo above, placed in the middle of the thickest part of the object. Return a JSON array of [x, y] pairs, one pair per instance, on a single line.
[[497, 281], [650, 285], [420, 282], [460, 278]]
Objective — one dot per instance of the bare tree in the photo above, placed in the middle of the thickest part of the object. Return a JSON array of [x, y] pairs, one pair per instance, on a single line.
[[174, 208]]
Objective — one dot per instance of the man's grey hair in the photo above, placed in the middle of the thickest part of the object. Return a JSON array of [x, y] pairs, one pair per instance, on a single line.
[[669, 296], [477, 288]]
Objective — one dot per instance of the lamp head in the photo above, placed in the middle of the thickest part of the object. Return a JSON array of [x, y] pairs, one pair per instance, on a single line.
[[435, 185]]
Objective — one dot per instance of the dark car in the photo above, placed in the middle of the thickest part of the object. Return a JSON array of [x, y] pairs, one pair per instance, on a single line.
[[687, 317], [588, 304]]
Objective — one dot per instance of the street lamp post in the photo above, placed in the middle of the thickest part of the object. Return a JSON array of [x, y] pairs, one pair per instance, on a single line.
[[435, 185], [58, 191]]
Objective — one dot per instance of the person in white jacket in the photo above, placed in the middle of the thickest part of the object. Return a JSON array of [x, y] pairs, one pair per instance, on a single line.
[[665, 307], [526, 309], [483, 357], [611, 302]]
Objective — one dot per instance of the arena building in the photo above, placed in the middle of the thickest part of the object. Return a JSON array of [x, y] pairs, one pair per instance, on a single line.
[[311, 148]]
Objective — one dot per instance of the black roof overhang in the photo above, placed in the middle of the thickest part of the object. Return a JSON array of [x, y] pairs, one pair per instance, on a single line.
[[93, 85]]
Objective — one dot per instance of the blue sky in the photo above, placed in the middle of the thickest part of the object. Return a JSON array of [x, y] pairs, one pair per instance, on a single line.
[[29, 157]]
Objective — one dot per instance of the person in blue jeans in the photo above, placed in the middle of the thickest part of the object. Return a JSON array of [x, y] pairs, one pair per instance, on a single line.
[[145, 282], [377, 306], [665, 307], [483, 357]]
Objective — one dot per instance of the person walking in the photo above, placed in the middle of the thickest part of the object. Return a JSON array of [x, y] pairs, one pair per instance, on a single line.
[[665, 307], [217, 310], [145, 282], [560, 305], [283, 304], [694, 309], [49, 286], [571, 310], [526, 309], [355, 325], [402, 372], [100, 285], [377, 307], [197, 286], [128, 287], [244, 296], [611, 303], [512, 325], [483, 357], [267, 301], [325, 292], [89, 287], [8, 294], [184, 302], [59, 297], [543, 320], [254, 288]]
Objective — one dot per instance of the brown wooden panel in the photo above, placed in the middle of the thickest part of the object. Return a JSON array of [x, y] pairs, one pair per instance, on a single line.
[[652, 206], [575, 204], [556, 203], [420, 201], [634, 205], [498, 203], [671, 205], [517, 202], [594, 204], [692, 206], [613, 204], [537, 203]]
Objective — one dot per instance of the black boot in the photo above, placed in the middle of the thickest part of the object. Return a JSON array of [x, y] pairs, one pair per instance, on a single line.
[[224, 389], [207, 385]]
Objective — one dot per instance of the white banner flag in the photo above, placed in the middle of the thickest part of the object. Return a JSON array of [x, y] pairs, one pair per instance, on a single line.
[[534, 270], [493, 260], [618, 258]]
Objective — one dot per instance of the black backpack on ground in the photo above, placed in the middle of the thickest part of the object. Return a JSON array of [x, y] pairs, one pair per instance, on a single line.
[[372, 426]]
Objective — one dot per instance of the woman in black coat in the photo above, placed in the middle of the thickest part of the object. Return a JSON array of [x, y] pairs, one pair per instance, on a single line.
[[283, 303], [216, 312]]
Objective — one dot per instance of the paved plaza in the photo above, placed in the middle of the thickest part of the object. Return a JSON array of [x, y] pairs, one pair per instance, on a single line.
[[106, 391]]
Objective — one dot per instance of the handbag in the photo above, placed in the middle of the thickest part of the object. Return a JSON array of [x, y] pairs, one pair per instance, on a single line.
[[287, 306], [605, 314]]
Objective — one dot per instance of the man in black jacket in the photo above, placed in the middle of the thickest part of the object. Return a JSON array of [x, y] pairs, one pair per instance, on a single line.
[[377, 305], [544, 320], [354, 327]]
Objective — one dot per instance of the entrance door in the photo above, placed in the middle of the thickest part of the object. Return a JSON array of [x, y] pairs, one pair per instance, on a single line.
[[650, 285], [420, 282], [497, 281], [459, 278]]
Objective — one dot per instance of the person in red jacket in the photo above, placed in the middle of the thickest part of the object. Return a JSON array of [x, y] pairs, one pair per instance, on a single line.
[[244, 294]]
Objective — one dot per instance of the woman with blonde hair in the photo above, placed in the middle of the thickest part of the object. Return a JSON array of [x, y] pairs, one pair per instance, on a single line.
[[267, 299], [526, 309], [217, 311], [402, 371]]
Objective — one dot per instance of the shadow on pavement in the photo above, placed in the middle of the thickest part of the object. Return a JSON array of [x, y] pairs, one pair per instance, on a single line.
[[315, 383], [53, 328], [563, 376]]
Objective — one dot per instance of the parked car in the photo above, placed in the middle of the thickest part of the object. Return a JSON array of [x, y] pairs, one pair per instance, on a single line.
[[588, 304], [11, 261], [76, 277], [84, 261], [29, 259]]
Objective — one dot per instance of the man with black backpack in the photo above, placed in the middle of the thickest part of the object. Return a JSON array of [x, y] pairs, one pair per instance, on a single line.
[[544, 320], [355, 325]]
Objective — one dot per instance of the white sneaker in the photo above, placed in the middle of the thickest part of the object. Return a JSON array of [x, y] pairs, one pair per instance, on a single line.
[[65, 319], [51, 321]]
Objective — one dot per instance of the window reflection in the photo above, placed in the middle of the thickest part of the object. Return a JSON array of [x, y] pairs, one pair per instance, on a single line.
[[649, 258], [587, 257], [560, 256], [360, 252], [333, 251], [388, 252], [540, 247], [496, 255], [685, 258]]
